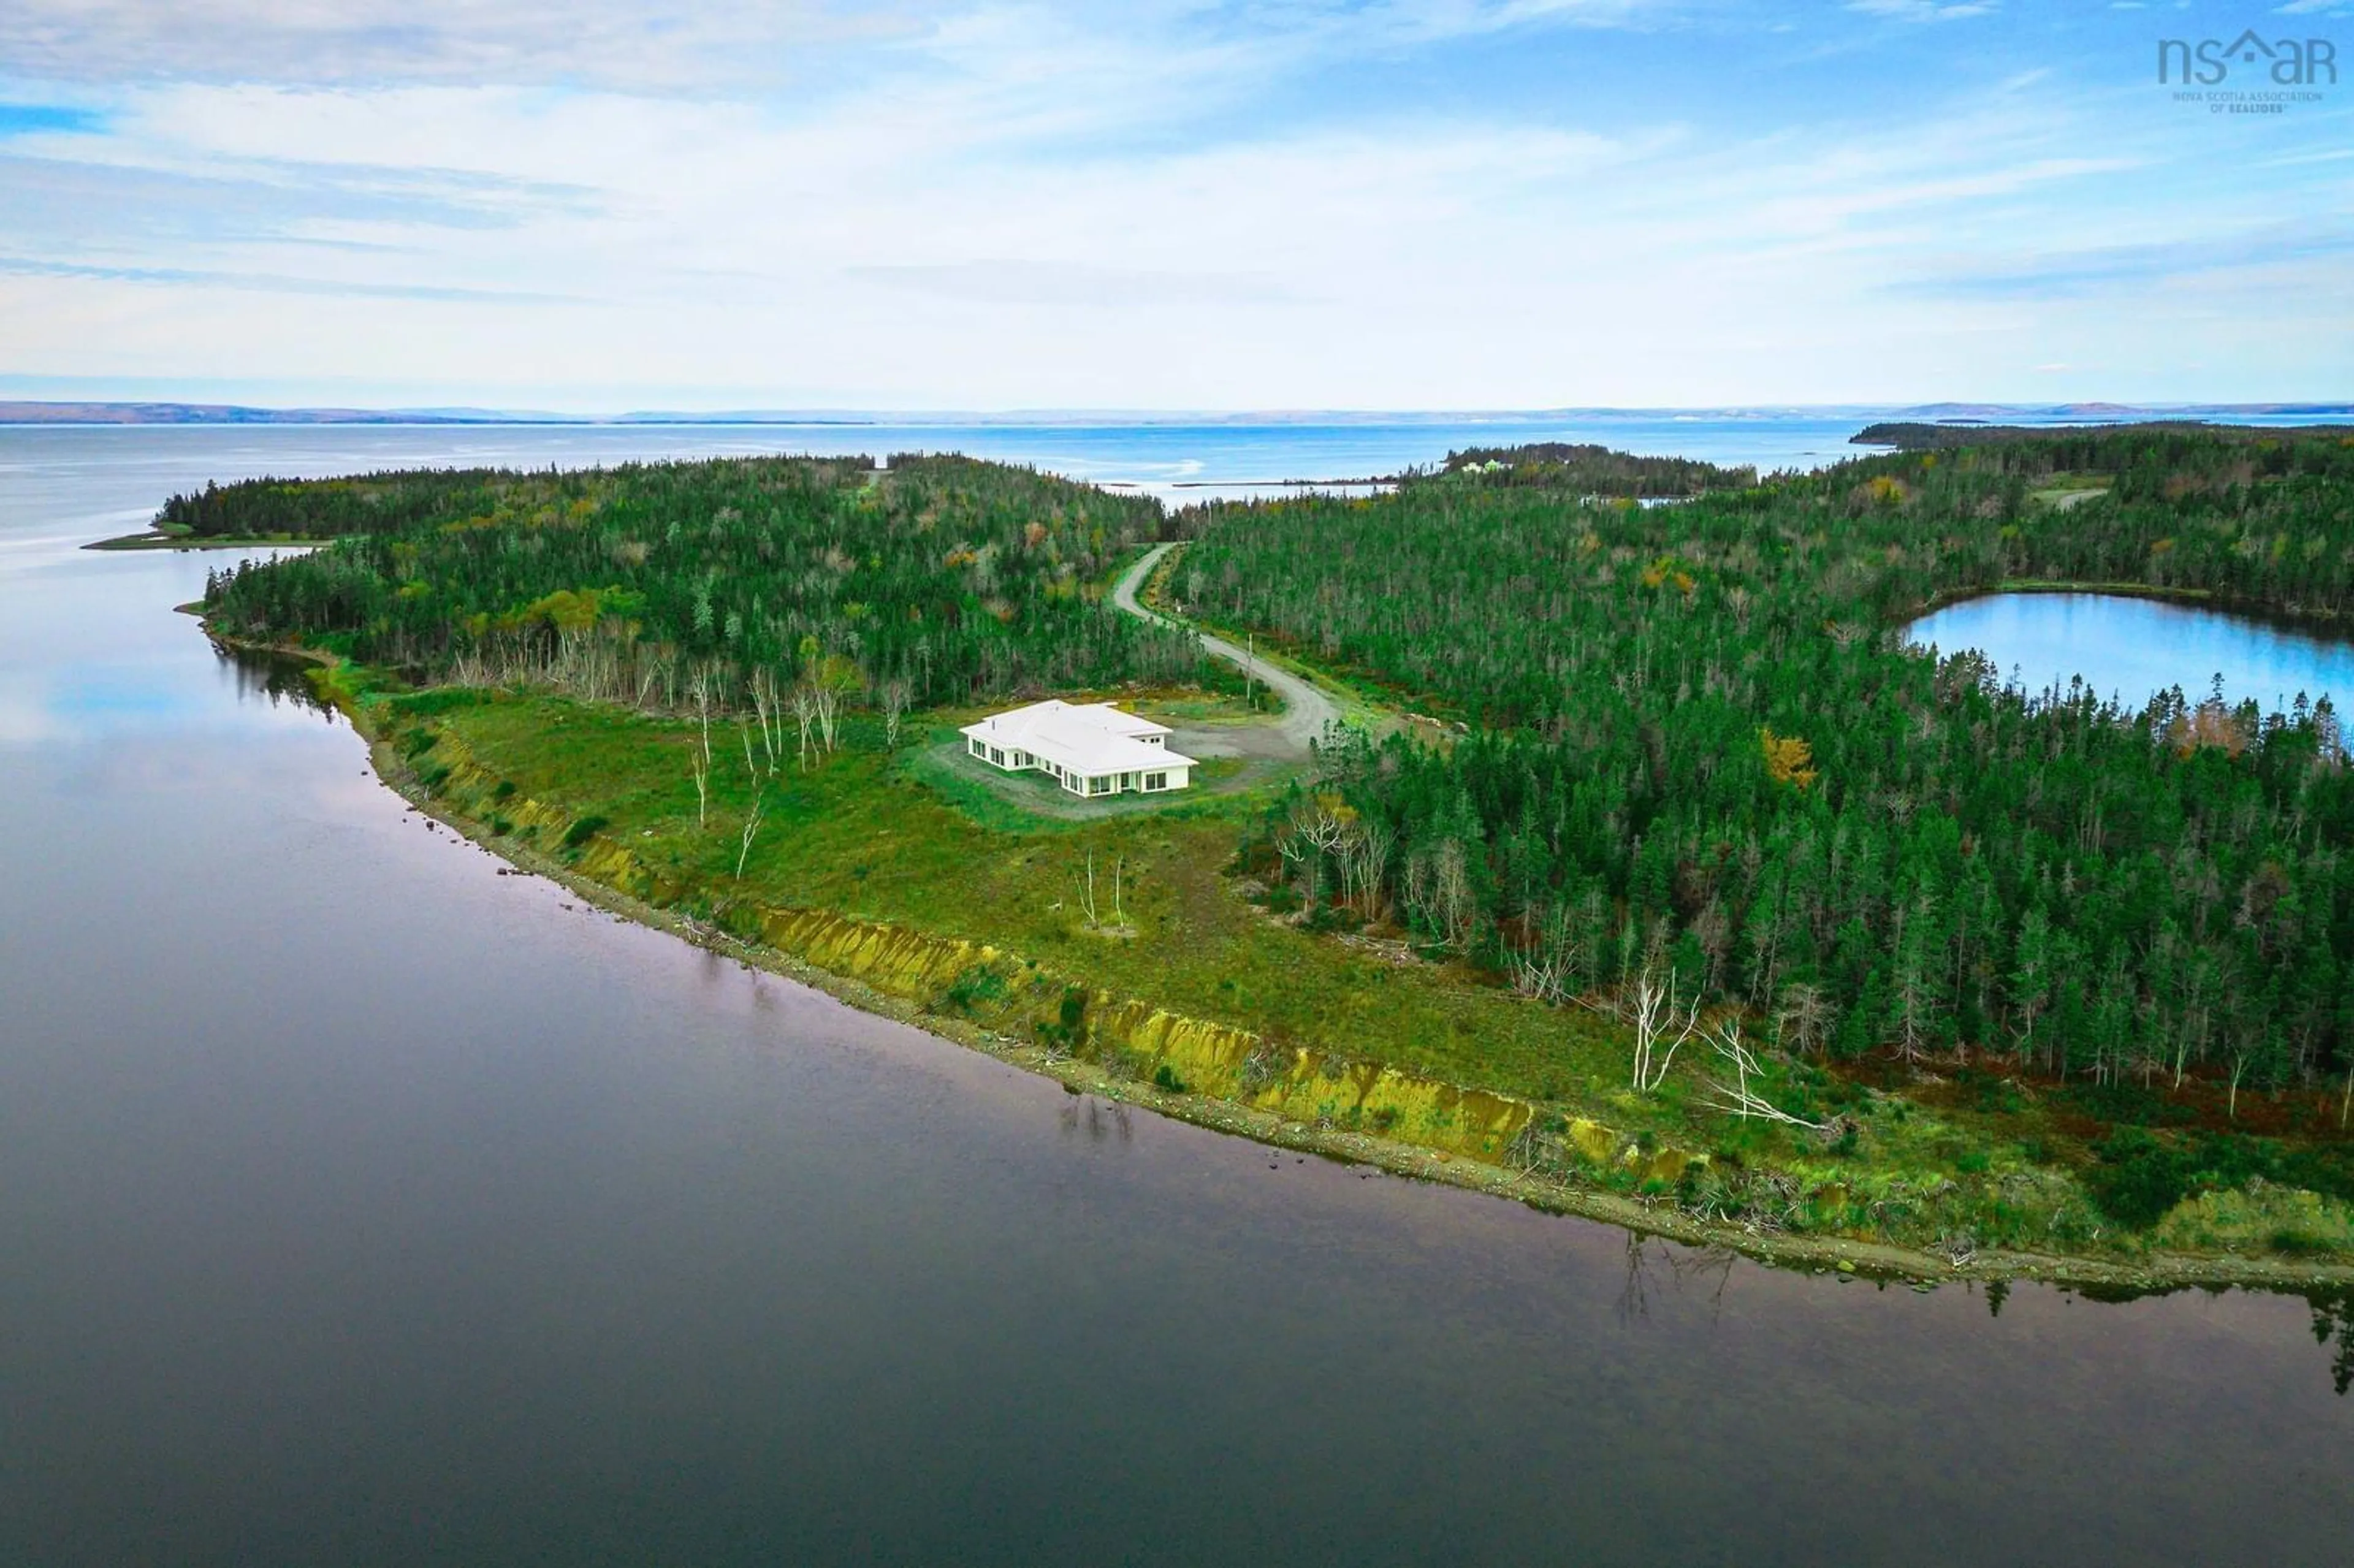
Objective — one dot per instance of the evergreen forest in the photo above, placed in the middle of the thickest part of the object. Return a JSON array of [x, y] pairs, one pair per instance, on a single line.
[[931, 580], [1687, 743], [1583, 467], [1678, 742]]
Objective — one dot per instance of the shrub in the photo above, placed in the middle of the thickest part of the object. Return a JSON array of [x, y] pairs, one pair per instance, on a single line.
[[974, 985], [583, 830], [2139, 1178], [2292, 1243], [2124, 1103], [1068, 1030], [1263, 1068]]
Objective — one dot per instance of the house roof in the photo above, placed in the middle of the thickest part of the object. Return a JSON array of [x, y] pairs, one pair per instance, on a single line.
[[1083, 737]]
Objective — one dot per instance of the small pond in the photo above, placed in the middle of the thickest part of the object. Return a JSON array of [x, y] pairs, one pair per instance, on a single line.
[[2132, 648]]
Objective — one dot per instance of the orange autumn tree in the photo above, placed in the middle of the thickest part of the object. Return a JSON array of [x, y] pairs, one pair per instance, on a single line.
[[1788, 759]]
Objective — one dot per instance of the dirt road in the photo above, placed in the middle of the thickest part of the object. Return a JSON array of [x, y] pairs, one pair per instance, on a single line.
[[1306, 710]]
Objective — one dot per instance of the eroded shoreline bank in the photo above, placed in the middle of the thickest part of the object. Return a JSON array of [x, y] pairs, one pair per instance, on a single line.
[[1454, 1165]]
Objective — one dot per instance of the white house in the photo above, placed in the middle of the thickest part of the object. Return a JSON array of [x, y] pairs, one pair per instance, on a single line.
[[1089, 748]]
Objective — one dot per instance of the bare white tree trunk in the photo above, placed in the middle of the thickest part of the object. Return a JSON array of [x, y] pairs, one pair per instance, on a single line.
[[829, 703], [1415, 888], [764, 704], [751, 828], [700, 688], [804, 711], [1544, 971], [1452, 893], [1724, 1040], [1657, 1016], [1803, 1017], [1374, 842]]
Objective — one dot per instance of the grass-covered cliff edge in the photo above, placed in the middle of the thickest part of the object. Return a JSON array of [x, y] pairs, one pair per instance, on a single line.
[[1434, 940]]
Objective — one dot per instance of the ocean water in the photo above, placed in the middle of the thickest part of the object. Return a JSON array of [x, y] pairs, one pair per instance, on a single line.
[[1178, 462], [360, 1205]]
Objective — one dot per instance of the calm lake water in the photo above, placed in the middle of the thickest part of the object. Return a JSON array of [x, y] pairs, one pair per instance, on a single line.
[[360, 1206], [2132, 648]]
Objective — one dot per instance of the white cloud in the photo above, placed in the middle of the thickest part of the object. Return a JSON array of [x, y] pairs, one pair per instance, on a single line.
[[1069, 283], [1003, 207], [647, 43], [695, 44], [1925, 10]]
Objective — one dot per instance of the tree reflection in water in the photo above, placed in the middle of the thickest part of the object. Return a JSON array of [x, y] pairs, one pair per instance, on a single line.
[[275, 678]]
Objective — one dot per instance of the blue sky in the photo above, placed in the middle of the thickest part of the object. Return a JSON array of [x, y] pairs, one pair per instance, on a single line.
[[1457, 203]]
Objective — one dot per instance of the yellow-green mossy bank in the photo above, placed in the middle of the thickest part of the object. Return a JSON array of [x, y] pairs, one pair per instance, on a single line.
[[488, 763], [998, 990]]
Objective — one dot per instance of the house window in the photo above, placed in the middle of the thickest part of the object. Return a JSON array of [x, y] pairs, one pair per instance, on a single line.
[[974, 745], [1156, 781], [997, 757]]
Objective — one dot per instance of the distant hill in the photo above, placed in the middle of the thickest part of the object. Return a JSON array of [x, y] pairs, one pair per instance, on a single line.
[[1928, 414], [229, 414], [2000, 413], [1914, 437], [45, 413], [1592, 470]]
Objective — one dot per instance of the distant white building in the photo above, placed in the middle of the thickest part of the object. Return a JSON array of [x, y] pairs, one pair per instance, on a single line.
[[1089, 748]]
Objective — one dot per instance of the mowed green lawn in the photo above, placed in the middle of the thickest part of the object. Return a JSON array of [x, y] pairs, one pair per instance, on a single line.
[[903, 838]]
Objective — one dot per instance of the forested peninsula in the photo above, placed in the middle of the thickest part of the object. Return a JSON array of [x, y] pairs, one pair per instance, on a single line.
[[1652, 868]]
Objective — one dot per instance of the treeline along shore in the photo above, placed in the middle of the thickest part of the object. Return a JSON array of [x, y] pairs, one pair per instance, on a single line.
[[1738, 906]]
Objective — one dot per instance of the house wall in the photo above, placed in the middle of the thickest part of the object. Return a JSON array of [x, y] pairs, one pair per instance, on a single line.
[[1013, 761]]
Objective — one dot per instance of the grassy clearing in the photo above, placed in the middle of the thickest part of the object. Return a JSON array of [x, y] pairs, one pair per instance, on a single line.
[[903, 838], [2063, 491], [1974, 1160]]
